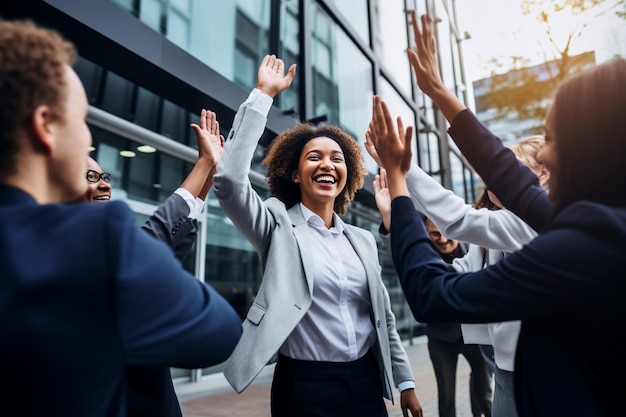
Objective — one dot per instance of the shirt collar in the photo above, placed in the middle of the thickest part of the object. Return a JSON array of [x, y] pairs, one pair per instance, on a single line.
[[316, 221]]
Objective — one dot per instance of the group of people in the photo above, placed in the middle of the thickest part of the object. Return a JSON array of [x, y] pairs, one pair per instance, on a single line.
[[94, 311]]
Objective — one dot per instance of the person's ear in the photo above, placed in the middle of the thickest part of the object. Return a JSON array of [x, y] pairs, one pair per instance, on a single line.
[[41, 124], [544, 175], [295, 178]]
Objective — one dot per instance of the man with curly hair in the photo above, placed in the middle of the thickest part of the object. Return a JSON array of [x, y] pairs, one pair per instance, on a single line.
[[322, 311]]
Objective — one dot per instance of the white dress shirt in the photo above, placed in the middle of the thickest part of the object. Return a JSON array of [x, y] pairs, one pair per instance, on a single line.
[[337, 327]]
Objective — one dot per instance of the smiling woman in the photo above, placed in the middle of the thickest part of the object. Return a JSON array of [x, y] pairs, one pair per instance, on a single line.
[[322, 309], [308, 146], [98, 183], [571, 315]]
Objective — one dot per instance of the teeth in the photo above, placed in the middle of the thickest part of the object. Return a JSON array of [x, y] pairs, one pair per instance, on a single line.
[[325, 178]]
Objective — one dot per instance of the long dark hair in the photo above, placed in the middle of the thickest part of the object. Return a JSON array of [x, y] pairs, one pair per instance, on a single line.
[[589, 127]]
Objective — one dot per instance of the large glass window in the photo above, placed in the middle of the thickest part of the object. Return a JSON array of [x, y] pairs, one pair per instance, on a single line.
[[231, 261], [355, 14], [290, 52], [398, 107], [430, 154], [116, 95], [231, 37], [342, 77], [444, 46], [459, 185], [392, 42]]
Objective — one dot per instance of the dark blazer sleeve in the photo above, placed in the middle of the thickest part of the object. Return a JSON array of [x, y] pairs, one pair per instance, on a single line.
[[165, 315], [556, 273], [170, 223], [516, 186]]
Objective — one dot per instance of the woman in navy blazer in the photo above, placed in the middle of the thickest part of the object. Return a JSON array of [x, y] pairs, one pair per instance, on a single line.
[[322, 309], [567, 285]]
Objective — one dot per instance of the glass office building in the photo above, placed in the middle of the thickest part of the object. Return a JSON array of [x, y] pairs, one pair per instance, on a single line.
[[150, 66]]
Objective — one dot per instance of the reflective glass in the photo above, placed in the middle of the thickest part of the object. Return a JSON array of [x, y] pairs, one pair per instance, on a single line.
[[446, 42], [150, 13], [355, 13], [399, 107], [392, 42], [342, 77], [459, 185], [430, 161], [231, 37], [290, 52]]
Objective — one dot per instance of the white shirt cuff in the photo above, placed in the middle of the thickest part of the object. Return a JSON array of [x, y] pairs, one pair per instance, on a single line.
[[404, 385], [260, 102], [197, 208], [189, 199]]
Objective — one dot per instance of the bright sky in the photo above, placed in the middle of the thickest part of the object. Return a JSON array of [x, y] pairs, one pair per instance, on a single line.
[[498, 28]]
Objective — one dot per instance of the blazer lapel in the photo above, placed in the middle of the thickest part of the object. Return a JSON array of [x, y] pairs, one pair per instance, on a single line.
[[301, 232]]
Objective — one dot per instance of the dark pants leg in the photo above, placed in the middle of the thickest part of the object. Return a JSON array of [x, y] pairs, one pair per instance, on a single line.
[[488, 356], [444, 356], [504, 395], [481, 393], [327, 389]]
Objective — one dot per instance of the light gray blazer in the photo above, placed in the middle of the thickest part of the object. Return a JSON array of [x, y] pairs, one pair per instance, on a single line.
[[281, 238]]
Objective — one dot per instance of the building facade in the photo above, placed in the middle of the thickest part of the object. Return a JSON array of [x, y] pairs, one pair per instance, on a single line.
[[542, 77], [150, 66]]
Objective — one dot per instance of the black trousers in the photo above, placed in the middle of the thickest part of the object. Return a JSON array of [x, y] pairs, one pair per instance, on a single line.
[[327, 389], [444, 356]]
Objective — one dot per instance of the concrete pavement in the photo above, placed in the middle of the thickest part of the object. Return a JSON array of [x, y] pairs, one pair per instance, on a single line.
[[213, 396]]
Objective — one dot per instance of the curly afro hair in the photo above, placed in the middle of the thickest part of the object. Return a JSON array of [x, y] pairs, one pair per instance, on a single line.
[[284, 152]]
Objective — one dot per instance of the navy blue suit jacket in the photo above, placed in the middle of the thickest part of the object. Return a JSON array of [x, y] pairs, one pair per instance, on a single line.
[[84, 295], [150, 389], [567, 285]]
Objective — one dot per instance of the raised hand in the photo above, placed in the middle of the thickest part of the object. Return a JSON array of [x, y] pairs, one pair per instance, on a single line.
[[393, 147], [210, 141], [382, 198], [271, 79], [370, 148], [426, 67], [424, 61]]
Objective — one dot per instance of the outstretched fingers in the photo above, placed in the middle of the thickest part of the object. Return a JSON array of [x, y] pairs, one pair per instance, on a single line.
[[383, 136], [271, 75], [407, 156], [291, 73], [369, 146]]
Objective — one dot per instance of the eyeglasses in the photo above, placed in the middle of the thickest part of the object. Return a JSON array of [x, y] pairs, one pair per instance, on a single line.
[[94, 176]]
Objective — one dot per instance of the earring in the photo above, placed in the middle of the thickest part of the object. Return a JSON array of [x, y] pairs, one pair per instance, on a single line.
[[296, 180]]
